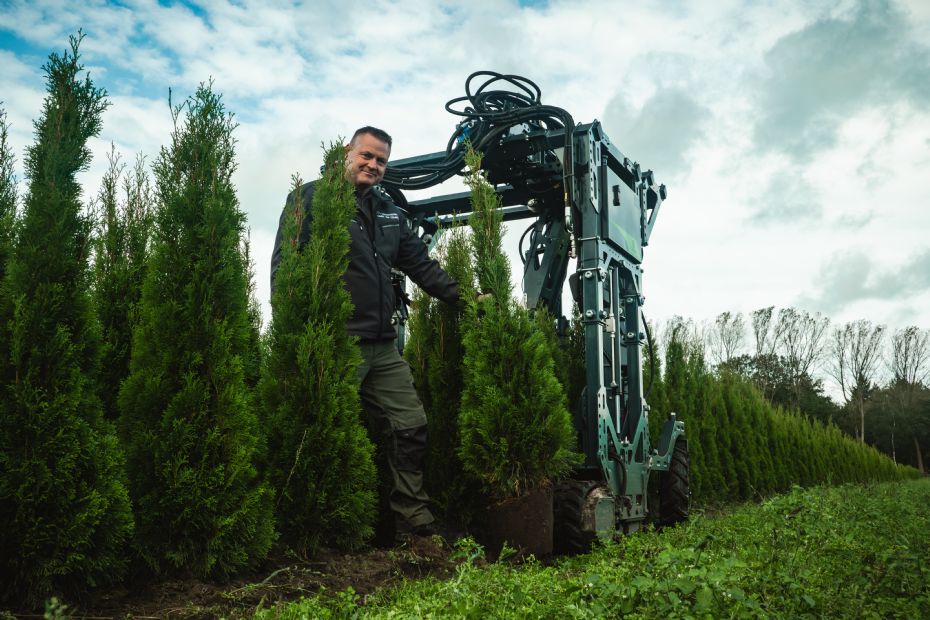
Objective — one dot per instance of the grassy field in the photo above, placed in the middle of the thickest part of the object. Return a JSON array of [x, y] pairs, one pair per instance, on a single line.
[[856, 551]]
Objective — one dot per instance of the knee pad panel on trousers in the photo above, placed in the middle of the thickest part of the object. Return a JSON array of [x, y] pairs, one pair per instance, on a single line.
[[410, 448]]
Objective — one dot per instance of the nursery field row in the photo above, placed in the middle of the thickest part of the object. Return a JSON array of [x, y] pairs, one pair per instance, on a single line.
[[152, 429], [854, 551]]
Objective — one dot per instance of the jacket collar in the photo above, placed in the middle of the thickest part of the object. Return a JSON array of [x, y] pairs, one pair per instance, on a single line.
[[379, 199]]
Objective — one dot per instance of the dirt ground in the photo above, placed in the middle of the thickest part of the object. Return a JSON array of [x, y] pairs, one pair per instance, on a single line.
[[283, 578]]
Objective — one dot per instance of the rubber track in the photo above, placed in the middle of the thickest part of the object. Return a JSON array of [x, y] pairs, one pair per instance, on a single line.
[[568, 499], [675, 490]]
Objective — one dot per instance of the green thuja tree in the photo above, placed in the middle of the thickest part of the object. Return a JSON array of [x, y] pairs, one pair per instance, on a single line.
[[120, 256], [64, 515], [319, 456], [574, 356], [436, 352], [8, 193], [252, 360], [516, 431], [419, 339], [187, 416], [654, 386]]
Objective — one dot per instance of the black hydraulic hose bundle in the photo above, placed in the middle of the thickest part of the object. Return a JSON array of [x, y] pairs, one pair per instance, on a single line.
[[487, 119], [520, 245]]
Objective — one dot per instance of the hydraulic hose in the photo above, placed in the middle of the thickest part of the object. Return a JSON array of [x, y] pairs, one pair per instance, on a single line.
[[520, 245], [488, 118]]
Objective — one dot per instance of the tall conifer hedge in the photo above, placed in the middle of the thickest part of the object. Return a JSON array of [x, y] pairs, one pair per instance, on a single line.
[[253, 360], [120, 257], [64, 515], [741, 447], [436, 353], [187, 417], [516, 431], [319, 456], [8, 192]]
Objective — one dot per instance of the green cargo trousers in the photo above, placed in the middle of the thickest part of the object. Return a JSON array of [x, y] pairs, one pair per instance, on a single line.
[[387, 393]]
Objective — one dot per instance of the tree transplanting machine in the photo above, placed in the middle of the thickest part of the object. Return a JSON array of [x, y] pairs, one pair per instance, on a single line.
[[591, 203]]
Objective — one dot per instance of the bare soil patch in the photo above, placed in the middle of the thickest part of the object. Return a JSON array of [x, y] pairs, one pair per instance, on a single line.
[[283, 578]]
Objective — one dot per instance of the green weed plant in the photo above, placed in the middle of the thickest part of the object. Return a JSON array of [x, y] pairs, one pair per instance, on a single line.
[[854, 551]]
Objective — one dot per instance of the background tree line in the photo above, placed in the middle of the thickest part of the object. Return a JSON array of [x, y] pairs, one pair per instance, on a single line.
[[802, 361]]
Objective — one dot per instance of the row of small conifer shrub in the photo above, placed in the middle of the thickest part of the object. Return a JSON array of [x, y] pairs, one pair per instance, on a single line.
[[147, 424]]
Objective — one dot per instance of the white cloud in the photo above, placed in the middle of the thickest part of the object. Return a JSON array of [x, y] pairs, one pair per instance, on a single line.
[[299, 75]]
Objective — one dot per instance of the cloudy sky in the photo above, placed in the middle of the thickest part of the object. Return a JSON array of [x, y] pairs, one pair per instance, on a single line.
[[793, 136]]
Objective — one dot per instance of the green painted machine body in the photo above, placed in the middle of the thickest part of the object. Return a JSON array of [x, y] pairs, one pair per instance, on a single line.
[[601, 213]]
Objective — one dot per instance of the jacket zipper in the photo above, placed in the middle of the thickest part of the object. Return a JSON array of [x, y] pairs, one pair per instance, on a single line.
[[371, 238]]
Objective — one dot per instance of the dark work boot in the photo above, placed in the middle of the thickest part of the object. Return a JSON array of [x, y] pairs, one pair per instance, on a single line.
[[402, 535], [434, 529]]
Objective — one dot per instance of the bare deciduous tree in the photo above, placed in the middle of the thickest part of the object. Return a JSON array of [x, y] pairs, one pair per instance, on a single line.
[[686, 333], [855, 353], [766, 342], [801, 340], [909, 361], [726, 337], [909, 364]]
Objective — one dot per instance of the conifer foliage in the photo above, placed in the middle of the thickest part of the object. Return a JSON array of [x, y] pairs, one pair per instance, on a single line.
[[319, 456], [743, 447], [120, 255], [436, 354], [516, 431], [8, 192], [187, 417], [64, 515]]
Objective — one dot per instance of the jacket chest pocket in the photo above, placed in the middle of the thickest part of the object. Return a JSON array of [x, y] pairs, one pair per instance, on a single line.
[[358, 238], [389, 240]]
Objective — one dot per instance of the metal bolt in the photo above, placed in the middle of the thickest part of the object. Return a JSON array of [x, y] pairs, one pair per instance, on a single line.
[[629, 335], [629, 300], [588, 275], [589, 314]]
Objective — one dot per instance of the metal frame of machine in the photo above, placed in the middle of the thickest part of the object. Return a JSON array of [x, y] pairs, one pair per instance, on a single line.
[[592, 203]]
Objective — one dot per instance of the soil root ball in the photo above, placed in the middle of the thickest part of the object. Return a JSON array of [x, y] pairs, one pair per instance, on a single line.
[[526, 524]]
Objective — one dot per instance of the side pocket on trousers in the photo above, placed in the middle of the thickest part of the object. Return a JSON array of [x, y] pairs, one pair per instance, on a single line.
[[410, 448]]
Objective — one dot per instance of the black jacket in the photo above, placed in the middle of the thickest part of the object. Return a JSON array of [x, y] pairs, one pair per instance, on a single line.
[[373, 251]]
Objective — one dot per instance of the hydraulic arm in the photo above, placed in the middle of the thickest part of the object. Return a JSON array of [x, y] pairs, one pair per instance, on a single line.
[[587, 202]]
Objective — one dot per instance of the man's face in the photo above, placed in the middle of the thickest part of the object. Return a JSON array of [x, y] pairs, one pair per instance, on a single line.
[[366, 162]]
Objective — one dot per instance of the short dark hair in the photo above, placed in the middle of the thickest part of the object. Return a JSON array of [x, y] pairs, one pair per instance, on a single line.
[[374, 132]]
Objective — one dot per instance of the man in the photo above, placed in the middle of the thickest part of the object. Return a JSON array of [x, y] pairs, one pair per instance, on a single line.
[[380, 240]]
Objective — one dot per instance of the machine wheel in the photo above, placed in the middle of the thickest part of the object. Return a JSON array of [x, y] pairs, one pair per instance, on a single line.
[[568, 500], [675, 491]]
